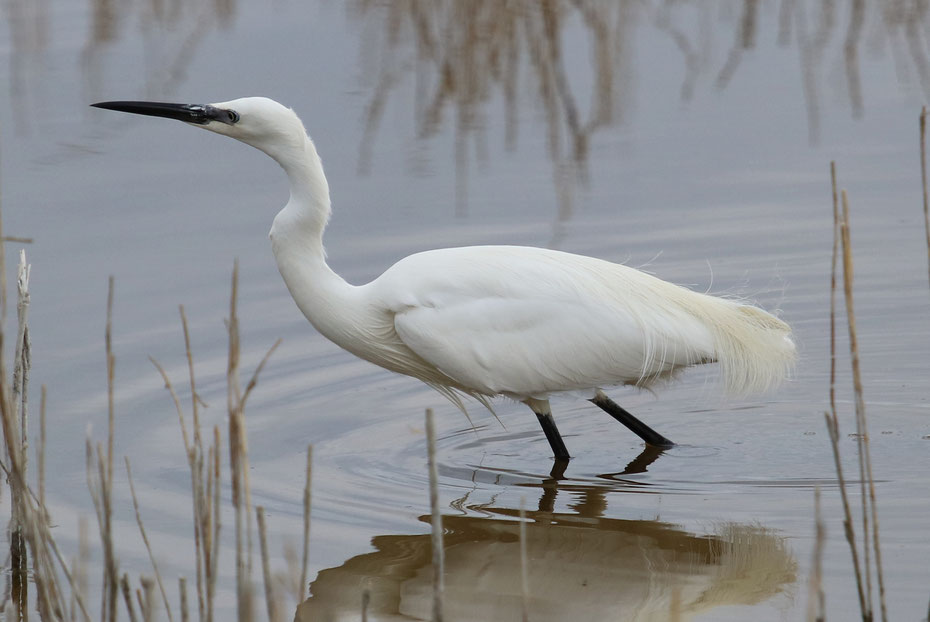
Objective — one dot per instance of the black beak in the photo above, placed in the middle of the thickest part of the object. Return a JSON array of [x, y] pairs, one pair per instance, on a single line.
[[189, 113]]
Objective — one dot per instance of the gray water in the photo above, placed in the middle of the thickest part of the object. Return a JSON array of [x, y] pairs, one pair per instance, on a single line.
[[690, 138]]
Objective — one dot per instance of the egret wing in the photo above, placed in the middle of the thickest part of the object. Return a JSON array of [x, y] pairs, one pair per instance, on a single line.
[[527, 322]]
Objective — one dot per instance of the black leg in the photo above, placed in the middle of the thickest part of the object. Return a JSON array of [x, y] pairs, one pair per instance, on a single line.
[[638, 427], [553, 436]]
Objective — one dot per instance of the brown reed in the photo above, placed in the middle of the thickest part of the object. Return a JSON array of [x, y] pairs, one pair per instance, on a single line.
[[832, 419], [145, 539], [862, 434], [303, 586], [270, 601]]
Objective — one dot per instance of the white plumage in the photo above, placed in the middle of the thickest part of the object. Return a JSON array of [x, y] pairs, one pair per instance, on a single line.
[[496, 320]]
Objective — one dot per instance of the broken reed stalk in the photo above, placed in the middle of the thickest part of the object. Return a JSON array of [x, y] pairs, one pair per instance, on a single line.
[[21, 359], [19, 556], [148, 599], [303, 587], [40, 450], [127, 597], [182, 590], [436, 522], [266, 566], [816, 599], [865, 454], [923, 179], [832, 419], [145, 539], [524, 564]]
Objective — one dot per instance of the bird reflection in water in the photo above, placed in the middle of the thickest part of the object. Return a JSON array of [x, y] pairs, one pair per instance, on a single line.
[[581, 566]]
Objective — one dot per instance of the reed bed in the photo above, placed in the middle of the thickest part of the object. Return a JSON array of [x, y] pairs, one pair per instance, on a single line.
[[61, 587]]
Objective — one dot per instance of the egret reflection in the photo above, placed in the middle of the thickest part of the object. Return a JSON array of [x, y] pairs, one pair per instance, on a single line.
[[630, 570]]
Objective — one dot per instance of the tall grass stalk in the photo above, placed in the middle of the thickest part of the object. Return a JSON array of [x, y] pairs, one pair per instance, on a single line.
[[270, 601], [145, 539], [869, 505], [871, 544], [19, 558], [436, 531], [127, 597], [832, 418]]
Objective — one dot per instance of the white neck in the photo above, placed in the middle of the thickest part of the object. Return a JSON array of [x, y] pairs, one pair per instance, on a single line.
[[297, 242]]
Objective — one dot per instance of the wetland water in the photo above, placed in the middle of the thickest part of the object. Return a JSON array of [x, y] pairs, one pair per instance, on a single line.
[[692, 138]]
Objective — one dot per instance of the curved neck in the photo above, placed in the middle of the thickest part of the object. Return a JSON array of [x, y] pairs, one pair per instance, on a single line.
[[309, 206], [297, 240]]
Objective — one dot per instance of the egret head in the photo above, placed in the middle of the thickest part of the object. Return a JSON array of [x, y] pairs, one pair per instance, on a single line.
[[257, 121]]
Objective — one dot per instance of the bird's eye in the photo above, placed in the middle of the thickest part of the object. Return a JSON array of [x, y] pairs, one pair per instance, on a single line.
[[233, 116]]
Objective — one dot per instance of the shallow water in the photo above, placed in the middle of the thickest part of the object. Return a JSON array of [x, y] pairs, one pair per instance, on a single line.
[[691, 138]]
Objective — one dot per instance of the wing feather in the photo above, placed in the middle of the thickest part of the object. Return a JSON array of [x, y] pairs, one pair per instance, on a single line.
[[526, 322]]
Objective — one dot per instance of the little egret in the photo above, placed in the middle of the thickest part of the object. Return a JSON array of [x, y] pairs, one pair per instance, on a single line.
[[483, 321]]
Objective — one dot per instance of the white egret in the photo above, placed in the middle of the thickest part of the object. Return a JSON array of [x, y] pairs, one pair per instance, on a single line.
[[483, 321]]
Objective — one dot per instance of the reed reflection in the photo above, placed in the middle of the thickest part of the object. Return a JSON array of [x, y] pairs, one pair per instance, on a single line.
[[170, 31], [581, 565], [462, 60], [466, 56]]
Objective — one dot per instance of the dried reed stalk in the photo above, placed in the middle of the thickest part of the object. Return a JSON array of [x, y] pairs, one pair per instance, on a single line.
[[832, 419], [145, 539], [436, 522], [21, 359], [865, 455], [30, 530], [239, 451], [182, 590], [205, 484], [127, 597], [148, 599], [100, 480], [40, 450], [303, 587], [19, 555], [266, 566]]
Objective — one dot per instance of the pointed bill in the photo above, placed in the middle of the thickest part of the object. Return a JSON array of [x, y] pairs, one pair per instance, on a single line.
[[199, 114]]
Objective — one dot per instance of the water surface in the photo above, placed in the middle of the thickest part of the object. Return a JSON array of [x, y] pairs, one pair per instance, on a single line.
[[693, 139]]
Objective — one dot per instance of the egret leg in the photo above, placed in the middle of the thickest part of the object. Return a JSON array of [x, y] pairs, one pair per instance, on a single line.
[[650, 436], [544, 414]]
